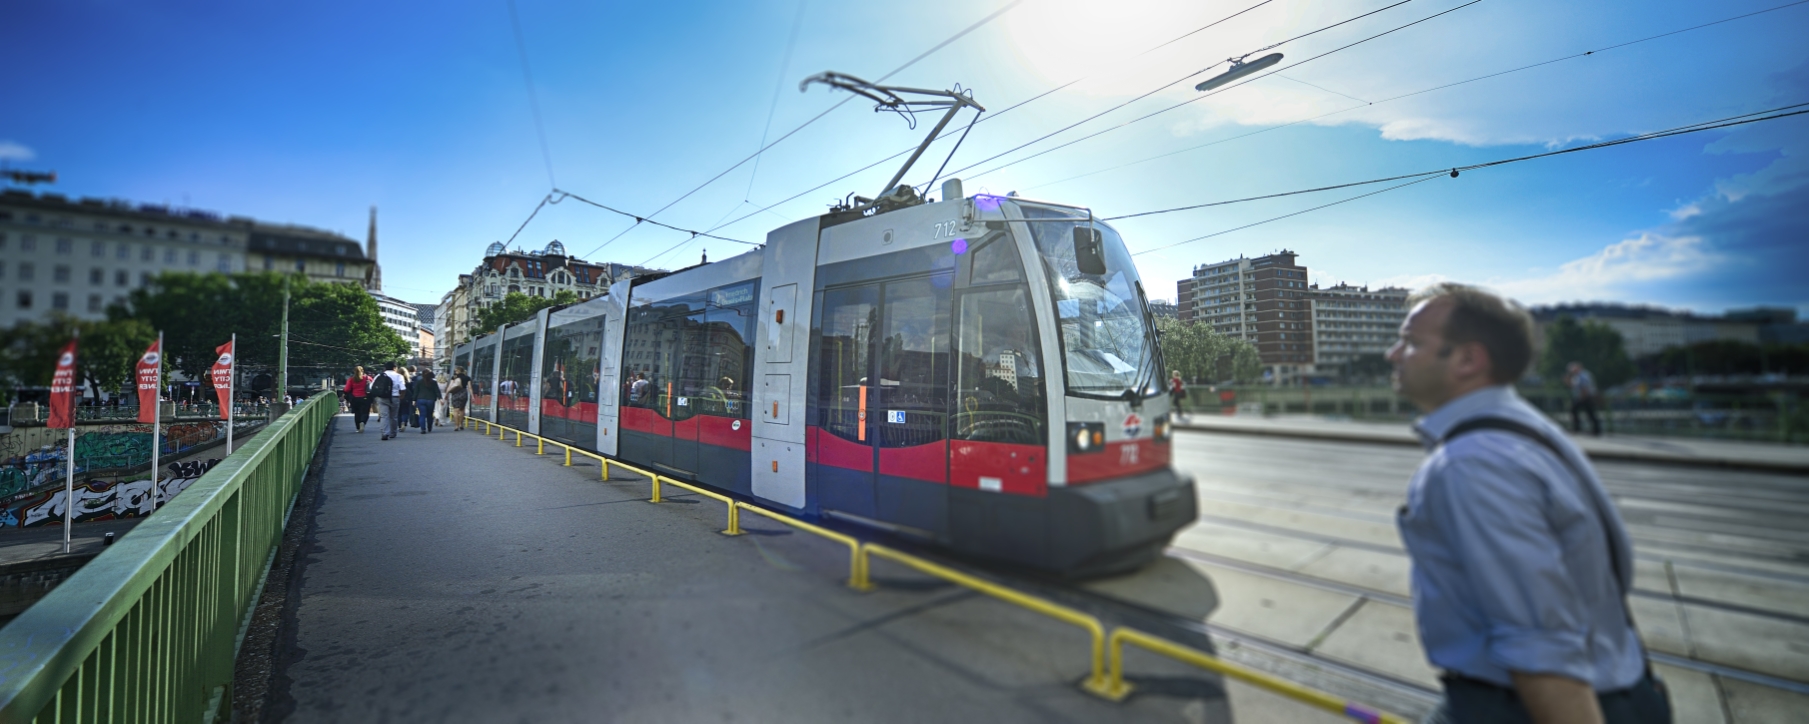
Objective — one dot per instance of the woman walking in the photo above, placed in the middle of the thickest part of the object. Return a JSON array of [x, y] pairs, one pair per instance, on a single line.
[[425, 392], [458, 397], [406, 416], [357, 395]]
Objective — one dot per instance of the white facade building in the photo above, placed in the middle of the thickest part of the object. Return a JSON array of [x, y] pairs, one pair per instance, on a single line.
[[77, 257], [1349, 322]]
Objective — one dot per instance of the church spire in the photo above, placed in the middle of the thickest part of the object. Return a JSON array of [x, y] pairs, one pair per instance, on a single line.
[[374, 281]]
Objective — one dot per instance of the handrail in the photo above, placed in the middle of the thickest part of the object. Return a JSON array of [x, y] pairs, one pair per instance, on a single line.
[[1106, 679], [1116, 688], [1096, 681], [148, 630]]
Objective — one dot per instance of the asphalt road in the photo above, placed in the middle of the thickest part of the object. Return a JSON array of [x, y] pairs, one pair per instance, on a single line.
[[456, 578], [1298, 538]]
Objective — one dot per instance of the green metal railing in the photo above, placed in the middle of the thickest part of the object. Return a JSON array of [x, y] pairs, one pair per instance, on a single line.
[[148, 631]]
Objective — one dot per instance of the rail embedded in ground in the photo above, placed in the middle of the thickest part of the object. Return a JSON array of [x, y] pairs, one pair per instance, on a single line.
[[1105, 681], [149, 629]]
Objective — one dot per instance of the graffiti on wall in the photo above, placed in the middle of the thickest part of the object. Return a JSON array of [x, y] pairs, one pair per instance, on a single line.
[[101, 499], [29, 458]]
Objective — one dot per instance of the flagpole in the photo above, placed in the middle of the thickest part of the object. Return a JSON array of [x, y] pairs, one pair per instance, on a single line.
[[69, 467], [157, 424], [232, 372]]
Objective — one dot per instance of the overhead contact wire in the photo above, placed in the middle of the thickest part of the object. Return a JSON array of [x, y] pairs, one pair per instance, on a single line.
[[1572, 56], [1743, 119], [1239, 84]]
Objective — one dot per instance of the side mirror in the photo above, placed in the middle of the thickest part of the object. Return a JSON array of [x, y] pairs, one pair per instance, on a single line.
[[1089, 252]]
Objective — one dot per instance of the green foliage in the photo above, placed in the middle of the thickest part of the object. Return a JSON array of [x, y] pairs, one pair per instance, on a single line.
[[1202, 354], [1596, 345], [516, 307], [105, 360], [1727, 357], [331, 326]]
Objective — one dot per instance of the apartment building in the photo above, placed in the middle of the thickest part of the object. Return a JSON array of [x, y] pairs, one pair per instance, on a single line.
[[1263, 300], [1351, 321]]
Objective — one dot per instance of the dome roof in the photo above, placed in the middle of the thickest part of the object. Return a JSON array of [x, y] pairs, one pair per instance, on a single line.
[[496, 247], [555, 249]]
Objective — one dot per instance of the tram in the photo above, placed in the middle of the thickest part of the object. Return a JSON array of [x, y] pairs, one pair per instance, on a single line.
[[980, 373]]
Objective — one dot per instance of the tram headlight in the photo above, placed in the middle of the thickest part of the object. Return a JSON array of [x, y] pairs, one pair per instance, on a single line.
[[1086, 437], [1164, 429]]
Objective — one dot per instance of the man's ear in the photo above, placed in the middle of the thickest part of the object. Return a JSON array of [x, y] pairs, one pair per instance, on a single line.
[[1472, 359]]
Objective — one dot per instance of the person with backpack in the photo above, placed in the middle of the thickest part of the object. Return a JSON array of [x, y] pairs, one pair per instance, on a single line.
[[1521, 564], [357, 397], [458, 397], [1177, 391], [426, 393], [387, 389]]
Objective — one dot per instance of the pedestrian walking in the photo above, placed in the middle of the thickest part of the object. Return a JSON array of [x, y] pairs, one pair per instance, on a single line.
[[408, 398], [1582, 398], [458, 397], [1177, 390], [357, 396], [387, 388], [426, 393], [1521, 565]]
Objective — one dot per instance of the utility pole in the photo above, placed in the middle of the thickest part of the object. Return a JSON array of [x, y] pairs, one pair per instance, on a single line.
[[282, 357]]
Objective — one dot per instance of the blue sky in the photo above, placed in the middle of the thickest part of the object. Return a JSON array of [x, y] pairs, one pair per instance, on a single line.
[[311, 113]]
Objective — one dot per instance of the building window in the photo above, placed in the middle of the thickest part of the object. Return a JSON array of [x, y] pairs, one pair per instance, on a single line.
[[301, 265], [194, 258], [26, 271], [144, 279], [25, 299], [94, 302], [97, 276], [60, 300], [148, 254], [65, 246], [124, 251], [28, 243], [169, 256], [148, 231], [60, 274], [269, 263], [339, 269], [225, 264], [98, 248], [121, 278]]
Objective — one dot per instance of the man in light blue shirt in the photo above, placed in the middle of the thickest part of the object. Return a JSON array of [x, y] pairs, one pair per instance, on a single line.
[[1520, 563]]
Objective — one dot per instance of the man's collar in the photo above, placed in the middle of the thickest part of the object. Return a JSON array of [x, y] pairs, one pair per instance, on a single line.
[[1433, 426]]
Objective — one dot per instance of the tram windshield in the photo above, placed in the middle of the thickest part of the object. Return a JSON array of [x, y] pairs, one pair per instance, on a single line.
[[1106, 341]]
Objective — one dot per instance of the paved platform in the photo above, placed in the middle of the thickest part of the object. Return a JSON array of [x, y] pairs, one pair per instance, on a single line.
[[454, 578], [1629, 448]]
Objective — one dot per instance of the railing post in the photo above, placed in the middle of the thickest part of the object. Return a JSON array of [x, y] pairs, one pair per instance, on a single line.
[[656, 489], [568, 456], [517, 438], [734, 518], [539, 446]]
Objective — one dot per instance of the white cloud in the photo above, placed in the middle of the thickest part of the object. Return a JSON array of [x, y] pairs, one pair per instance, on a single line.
[[15, 151], [1605, 274]]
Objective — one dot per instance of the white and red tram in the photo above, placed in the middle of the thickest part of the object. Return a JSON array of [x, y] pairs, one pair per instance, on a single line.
[[979, 372]]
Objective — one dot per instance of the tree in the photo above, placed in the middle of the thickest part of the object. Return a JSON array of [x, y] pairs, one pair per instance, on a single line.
[[331, 326], [1596, 345], [516, 307], [1200, 353], [105, 360]]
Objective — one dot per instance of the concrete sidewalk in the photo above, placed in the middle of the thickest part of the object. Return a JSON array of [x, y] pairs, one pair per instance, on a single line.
[[455, 578], [1630, 448]]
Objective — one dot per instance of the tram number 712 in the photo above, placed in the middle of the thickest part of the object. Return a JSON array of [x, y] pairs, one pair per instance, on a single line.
[[1127, 455], [945, 229]]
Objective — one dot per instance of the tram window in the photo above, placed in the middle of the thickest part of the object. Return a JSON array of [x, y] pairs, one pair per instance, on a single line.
[[911, 406], [998, 385], [848, 318], [731, 358], [997, 261]]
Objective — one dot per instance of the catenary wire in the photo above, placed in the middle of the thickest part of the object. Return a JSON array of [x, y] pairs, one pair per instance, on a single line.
[[791, 42], [1741, 119], [643, 220], [1776, 113], [990, 117], [1197, 99], [788, 134], [521, 49], [1572, 56]]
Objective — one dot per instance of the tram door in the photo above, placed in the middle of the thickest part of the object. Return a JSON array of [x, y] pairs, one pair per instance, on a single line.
[[882, 401], [843, 371]]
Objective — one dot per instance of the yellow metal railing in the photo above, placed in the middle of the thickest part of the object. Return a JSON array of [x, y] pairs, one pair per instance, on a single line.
[[1106, 679]]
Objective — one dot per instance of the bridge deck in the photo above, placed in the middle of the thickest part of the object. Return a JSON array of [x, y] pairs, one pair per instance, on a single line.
[[451, 577]]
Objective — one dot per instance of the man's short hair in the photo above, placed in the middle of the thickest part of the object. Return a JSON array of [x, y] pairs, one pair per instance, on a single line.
[[389, 365], [1502, 326]]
